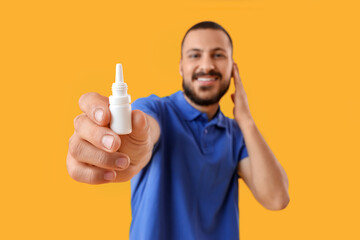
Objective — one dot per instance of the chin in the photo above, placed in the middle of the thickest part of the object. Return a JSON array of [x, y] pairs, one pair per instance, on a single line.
[[204, 95]]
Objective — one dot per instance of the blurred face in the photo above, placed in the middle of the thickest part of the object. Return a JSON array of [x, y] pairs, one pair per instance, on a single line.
[[206, 66]]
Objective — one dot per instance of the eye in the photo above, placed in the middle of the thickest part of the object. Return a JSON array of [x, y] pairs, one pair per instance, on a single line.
[[219, 55], [194, 55]]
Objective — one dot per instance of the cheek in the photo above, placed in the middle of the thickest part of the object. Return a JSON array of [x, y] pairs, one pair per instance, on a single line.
[[229, 69], [188, 71], [226, 73]]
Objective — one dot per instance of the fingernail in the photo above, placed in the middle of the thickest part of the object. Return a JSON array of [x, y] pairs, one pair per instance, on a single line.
[[108, 141], [121, 162], [109, 176], [99, 115]]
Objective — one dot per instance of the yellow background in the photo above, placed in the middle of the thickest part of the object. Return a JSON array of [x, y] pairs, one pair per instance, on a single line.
[[299, 61]]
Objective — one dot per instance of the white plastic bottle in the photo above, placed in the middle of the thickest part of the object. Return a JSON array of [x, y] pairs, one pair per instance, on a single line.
[[120, 106]]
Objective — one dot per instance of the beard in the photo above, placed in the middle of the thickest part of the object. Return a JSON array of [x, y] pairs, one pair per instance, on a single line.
[[191, 94]]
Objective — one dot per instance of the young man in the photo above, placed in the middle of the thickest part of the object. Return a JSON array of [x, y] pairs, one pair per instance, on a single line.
[[184, 157]]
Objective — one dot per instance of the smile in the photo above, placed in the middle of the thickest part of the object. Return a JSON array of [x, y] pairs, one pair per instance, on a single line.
[[202, 79]]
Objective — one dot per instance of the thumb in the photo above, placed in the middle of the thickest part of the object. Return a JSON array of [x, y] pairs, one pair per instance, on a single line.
[[140, 126]]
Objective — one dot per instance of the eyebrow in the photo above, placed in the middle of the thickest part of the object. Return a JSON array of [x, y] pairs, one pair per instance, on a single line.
[[199, 50]]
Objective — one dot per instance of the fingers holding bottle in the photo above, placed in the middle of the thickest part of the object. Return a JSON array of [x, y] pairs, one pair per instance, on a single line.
[[96, 107], [101, 137], [85, 152]]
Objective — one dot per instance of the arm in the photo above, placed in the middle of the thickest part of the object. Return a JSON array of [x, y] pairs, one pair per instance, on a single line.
[[261, 171]]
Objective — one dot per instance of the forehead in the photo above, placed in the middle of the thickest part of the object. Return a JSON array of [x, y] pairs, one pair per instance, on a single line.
[[206, 39]]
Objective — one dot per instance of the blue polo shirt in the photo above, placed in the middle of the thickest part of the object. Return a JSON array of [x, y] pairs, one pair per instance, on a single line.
[[189, 189]]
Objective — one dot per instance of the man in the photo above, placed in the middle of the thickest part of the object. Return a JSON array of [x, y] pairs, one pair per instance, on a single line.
[[184, 157]]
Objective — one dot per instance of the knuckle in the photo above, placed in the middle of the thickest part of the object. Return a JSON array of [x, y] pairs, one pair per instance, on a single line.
[[95, 135], [76, 175], [86, 99], [78, 120], [84, 175], [146, 125], [71, 139], [73, 172], [92, 176], [68, 167], [83, 98], [91, 179], [93, 94], [102, 159], [75, 147]]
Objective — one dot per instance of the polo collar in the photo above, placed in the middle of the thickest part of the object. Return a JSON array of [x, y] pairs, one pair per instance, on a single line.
[[190, 113]]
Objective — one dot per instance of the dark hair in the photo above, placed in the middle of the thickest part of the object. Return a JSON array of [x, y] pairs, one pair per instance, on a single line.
[[207, 25]]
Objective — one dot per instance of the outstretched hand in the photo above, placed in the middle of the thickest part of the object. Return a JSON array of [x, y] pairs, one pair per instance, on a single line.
[[97, 154]]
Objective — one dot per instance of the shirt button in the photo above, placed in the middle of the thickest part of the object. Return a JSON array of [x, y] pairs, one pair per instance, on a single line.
[[205, 131]]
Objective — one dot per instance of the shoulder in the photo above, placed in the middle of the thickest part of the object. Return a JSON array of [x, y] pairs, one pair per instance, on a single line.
[[151, 101], [157, 102], [152, 105], [149, 98]]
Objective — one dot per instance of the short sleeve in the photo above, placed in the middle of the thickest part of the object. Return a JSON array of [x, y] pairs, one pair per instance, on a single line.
[[149, 105]]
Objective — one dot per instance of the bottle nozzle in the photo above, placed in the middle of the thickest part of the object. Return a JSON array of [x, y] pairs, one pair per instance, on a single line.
[[119, 78], [119, 88], [120, 107]]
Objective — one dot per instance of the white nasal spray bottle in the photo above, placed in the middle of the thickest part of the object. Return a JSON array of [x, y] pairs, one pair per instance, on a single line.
[[120, 106]]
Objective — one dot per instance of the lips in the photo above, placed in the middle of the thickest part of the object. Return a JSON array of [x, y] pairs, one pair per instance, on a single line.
[[210, 76], [206, 79]]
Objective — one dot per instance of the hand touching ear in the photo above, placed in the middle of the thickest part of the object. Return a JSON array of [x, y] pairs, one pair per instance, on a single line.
[[241, 108]]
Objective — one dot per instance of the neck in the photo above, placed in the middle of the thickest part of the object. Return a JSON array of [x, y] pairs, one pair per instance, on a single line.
[[209, 110]]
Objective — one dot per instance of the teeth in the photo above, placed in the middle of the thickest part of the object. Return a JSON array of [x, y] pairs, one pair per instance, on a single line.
[[206, 79]]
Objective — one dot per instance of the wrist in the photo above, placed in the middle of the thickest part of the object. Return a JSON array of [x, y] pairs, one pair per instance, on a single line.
[[245, 121]]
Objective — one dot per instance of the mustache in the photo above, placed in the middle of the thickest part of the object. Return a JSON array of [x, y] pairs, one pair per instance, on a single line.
[[211, 73]]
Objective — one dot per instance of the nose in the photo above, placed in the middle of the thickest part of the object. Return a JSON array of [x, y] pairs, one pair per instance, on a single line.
[[206, 64]]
